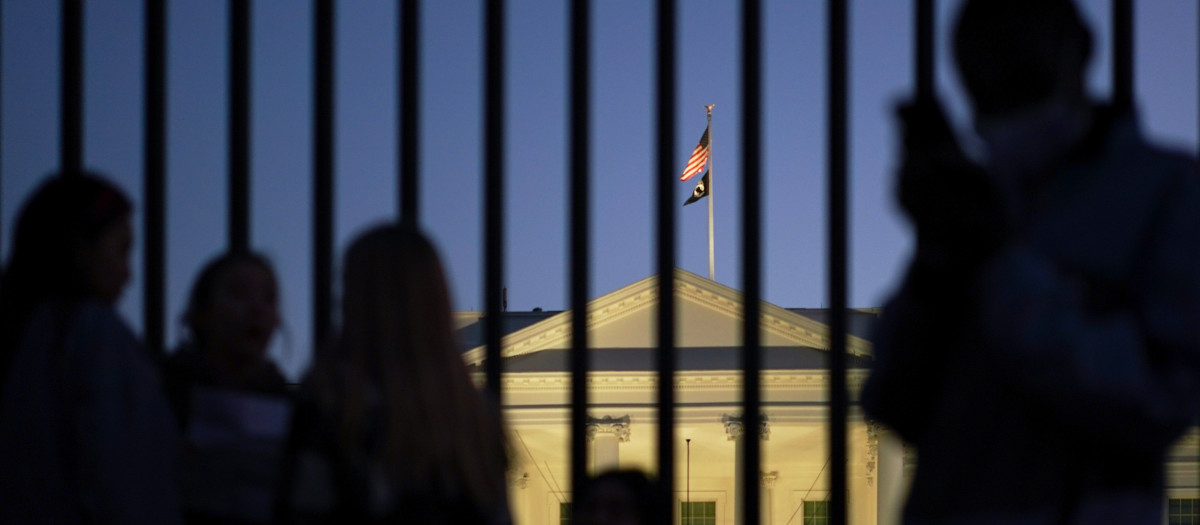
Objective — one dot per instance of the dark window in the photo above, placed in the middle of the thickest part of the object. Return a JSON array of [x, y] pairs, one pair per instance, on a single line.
[[564, 513], [1183, 511]]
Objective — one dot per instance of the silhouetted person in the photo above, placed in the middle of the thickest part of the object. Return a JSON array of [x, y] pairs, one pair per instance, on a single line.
[[390, 427], [1044, 349], [229, 397], [232, 314], [86, 435], [621, 497]]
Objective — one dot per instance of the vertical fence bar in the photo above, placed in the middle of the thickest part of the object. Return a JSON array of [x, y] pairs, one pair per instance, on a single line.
[[154, 173], [1, 128], [751, 256], [664, 179], [925, 75], [837, 258], [323, 113], [239, 124], [493, 162], [1122, 70], [71, 87], [580, 274], [409, 106]]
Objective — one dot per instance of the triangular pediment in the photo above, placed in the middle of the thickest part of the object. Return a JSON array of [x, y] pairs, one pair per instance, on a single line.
[[708, 314]]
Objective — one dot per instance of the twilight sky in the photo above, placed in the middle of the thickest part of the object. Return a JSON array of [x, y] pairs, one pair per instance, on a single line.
[[794, 167]]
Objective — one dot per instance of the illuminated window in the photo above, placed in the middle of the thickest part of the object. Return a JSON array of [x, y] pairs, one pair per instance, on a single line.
[[816, 513], [1183, 511], [698, 513]]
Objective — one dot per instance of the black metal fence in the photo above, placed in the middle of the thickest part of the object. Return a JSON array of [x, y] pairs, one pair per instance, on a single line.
[[408, 148]]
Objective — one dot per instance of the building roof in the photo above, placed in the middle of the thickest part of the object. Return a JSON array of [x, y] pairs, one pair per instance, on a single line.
[[621, 327], [861, 321], [695, 359], [470, 324]]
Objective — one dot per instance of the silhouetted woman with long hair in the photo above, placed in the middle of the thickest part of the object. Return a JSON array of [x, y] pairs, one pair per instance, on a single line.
[[86, 435], [393, 427]]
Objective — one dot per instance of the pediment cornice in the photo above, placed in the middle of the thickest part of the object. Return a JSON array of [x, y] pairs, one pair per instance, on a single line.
[[685, 381], [555, 332]]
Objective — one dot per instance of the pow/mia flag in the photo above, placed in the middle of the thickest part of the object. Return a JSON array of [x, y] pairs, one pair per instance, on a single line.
[[701, 190]]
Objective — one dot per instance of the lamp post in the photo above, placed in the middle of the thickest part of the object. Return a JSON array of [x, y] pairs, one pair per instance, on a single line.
[[688, 506]]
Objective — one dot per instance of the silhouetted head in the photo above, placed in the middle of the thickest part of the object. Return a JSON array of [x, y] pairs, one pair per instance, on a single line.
[[620, 497], [397, 353], [395, 298], [233, 308], [72, 241], [1013, 54]]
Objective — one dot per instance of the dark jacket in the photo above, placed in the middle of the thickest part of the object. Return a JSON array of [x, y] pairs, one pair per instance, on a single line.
[[323, 486], [188, 368], [1049, 390], [85, 433], [235, 430]]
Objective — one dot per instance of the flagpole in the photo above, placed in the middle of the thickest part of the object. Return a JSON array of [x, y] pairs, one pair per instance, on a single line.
[[712, 272]]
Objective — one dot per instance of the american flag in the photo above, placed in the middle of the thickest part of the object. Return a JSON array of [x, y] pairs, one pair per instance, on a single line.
[[699, 158]]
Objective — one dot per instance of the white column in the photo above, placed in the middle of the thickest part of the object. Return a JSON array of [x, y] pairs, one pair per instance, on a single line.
[[734, 431], [605, 453], [518, 496], [768, 484], [606, 434], [889, 453]]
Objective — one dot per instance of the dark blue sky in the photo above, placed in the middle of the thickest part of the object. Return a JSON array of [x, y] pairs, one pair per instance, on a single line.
[[622, 131]]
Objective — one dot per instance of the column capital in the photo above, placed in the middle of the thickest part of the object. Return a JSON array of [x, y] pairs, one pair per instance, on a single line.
[[768, 479], [734, 428], [521, 481], [618, 426]]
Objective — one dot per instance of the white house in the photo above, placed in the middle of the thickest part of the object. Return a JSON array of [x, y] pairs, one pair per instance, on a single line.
[[622, 429]]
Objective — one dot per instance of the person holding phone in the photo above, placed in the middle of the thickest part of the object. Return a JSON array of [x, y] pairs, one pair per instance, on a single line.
[[1043, 350]]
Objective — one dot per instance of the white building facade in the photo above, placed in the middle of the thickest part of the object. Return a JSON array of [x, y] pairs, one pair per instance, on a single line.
[[622, 427]]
